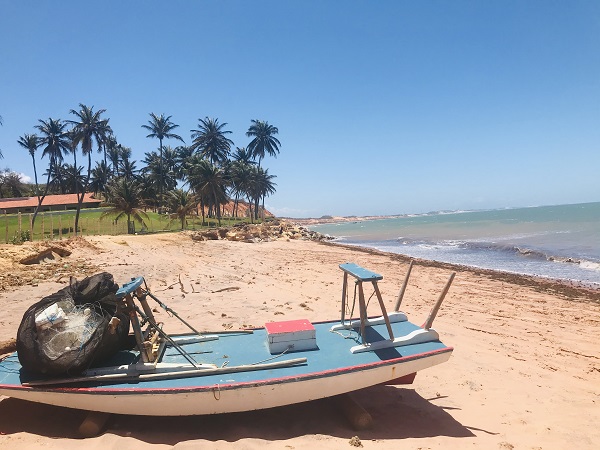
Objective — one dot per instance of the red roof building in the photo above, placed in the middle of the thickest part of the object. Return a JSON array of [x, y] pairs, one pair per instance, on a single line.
[[50, 203]]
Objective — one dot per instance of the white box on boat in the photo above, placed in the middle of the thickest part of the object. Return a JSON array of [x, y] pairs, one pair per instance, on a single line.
[[291, 335]]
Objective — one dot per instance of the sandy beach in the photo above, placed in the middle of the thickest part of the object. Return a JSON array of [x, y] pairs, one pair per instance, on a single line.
[[525, 372]]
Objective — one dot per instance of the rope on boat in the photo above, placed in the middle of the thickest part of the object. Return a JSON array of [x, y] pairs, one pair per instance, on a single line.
[[271, 358], [217, 390], [348, 336]]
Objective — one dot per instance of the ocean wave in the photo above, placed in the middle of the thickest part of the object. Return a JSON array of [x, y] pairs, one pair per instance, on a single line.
[[591, 265], [482, 246]]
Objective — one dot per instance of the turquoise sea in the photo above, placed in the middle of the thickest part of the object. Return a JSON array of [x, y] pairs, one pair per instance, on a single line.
[[559, 242]]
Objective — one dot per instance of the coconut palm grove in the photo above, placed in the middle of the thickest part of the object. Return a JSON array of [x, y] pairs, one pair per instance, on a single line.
[[81, 154]]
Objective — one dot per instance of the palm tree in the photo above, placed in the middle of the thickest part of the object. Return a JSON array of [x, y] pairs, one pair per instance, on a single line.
[[183, 155], [100, 176], [58, 176], [148, 190], [110, 148], [153, 168], [73, 148], [239, 175], [208, 181], [31, 143], [181, 204], [160, 127], [124, 153], [210, 141], [73, 178], [54, 138], [126, 200], [128, 169], [242, 154], [264, 141], [114, 155], [264, 186], [257, 186], [170, 162], [90, 127]]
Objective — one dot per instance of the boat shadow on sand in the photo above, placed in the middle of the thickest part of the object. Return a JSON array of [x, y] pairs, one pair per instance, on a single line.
[[397, 413]]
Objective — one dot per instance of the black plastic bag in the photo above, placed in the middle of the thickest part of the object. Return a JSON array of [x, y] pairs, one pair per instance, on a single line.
[[73, 329]]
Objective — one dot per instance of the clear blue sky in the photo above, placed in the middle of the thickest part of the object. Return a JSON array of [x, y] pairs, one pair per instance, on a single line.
[[383, 107]]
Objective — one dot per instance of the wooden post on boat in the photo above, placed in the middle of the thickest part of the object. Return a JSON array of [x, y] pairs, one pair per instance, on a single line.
[[383, 311], [137, 328], [362, 275], [401, 293], [344, 290], [141, 296], [359, 417], [436, 307], [363, 311], [93, 424]]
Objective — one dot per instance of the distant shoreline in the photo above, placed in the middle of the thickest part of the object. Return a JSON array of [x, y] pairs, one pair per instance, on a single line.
[[338, 219], [327, 219]]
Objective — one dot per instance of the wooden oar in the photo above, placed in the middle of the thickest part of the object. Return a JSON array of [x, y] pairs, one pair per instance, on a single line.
[[168, 375]]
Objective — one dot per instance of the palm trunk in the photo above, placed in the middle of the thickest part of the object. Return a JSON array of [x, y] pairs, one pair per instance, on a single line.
[[80, 198], [76, 188], [41, 199], [160, 179], [250, 208], [217, 207], [37, 189], [234, 213]]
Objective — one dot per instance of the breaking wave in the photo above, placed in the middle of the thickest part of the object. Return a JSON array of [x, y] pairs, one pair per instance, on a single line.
[[494, 256]]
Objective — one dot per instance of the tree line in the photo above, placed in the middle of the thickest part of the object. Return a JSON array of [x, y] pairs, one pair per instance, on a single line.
[[212, 173]]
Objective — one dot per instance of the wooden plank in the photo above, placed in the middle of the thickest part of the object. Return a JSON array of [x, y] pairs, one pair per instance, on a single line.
[[93, 424], [169, 375], [344, 291], [429, 322], [363, 312], [358, 417], [383, 311], [401, 293]]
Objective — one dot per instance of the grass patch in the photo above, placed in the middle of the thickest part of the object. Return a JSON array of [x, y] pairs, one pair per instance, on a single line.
[[60, 224]]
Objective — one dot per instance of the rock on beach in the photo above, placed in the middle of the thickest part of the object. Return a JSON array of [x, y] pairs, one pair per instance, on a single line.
[[270, 230]]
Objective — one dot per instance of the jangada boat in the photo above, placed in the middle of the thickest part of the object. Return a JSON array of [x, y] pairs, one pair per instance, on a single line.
[[210, 373]]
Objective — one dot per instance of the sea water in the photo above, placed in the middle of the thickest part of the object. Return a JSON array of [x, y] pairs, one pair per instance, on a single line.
[[559, 242]]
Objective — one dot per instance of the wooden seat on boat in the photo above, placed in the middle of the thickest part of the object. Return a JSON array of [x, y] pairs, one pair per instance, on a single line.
[[361, 275]]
